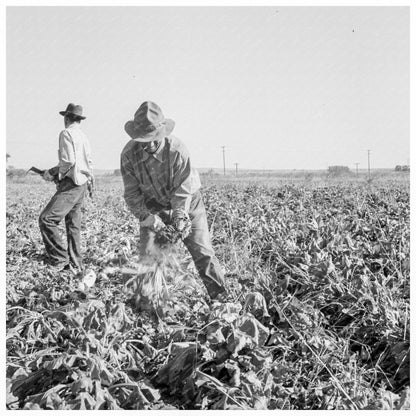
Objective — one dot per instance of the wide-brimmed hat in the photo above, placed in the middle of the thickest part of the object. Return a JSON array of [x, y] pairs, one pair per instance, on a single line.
[[75, 110], [149, 124]]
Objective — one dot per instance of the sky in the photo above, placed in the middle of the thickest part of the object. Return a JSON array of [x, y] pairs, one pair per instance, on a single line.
[[279, 87]]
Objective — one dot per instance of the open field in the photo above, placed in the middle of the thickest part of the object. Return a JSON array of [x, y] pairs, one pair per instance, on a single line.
[[318, 271]]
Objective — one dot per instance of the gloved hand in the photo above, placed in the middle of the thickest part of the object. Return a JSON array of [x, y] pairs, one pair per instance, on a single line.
[[47, 176], [166, 216], [182, 224], [153, 222]]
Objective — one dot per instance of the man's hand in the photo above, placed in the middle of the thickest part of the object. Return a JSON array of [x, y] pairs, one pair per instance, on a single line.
[[89, 175], [183, 224], [47, 176], [90, 182], [90, 187], [153, 222]]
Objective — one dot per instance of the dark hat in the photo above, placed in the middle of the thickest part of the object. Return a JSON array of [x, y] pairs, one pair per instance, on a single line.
[[73, 109], [149, 124]]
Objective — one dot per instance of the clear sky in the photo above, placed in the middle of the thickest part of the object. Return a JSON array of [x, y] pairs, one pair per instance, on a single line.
[[279, 87]]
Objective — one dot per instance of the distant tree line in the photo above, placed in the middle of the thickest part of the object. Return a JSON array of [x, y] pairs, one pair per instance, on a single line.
[[402, 168], [338, 170], [12, 172]]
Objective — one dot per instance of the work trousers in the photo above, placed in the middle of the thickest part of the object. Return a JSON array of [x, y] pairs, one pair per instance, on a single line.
[[199, 245], [65, 204]]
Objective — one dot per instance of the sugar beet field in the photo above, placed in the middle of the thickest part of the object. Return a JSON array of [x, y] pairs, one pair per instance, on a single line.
[[318, 319]]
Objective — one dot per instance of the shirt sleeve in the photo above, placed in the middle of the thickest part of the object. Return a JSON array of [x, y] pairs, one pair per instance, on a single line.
[[182, 185], [132, 194], [66, 153]]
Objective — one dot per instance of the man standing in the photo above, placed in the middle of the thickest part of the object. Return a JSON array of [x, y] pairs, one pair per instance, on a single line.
[[159, 183], [74, 171]]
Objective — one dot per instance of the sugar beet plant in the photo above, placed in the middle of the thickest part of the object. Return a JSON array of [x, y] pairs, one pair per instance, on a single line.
[[318, 315]]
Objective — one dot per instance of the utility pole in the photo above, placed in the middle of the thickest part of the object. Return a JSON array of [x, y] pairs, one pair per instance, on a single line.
[[368, 159], [223, 157], [236, 169], [356, 169]]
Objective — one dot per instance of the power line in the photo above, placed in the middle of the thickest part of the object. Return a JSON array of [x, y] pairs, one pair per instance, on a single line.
[[223, 157], [368, 162], [236, 169]]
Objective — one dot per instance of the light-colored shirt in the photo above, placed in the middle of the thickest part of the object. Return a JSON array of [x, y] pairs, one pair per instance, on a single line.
[[74, 154], [165, 177]]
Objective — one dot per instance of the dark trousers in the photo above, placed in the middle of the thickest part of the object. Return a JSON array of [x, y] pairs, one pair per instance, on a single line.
[[199, 245], [65, 204]]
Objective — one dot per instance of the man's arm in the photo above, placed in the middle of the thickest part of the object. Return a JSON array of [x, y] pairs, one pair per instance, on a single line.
[[183, 186], [88, 157], [66, 154], [89, 172], [132, 194]]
